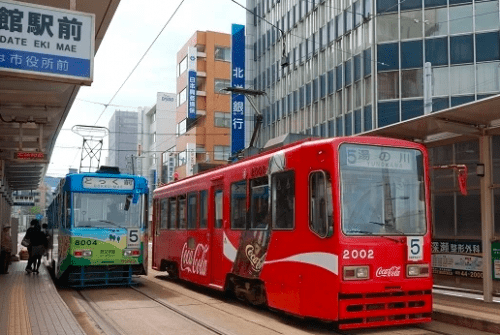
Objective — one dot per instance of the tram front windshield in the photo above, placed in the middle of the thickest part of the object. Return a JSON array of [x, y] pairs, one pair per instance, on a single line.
[[382, 190], [106, 211]]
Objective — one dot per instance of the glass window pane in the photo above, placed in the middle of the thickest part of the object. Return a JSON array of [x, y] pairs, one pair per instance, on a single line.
[[259, 203], [385, 6], [181, 215], [387, 28], [388, 113], [436, 51], [488, 77], [411, 109], [367, 59], [436, 22], [487, 47], [191, 211], [320, 203], [218, 208], [487, 15], [461, 49], [412, 83], [444, 216], [469, 215], [440, 81], [457, 83], [411, 54], [388, 85], [387, 56], [367, 116], [203, 209], [411, 24], [368, 90], [238, 205], [357, 94], [283, 200], [460, 19]]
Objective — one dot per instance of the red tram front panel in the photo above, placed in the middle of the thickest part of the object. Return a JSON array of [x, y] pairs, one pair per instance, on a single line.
[[350, 244]]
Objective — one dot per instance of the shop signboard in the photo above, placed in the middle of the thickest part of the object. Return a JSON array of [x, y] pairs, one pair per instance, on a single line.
[[495, 258], [462, 258]]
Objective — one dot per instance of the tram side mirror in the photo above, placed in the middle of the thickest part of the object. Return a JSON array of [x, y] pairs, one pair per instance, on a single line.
[[127, 202]]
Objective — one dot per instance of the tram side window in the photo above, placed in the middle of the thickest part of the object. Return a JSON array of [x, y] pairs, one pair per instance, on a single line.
[[283, 200], [203, 209], [191, 211], [238, 204], [172, 211], [163, 213], [259, 203], [67, 207], [320, 203], [182, 212], [218, 209]]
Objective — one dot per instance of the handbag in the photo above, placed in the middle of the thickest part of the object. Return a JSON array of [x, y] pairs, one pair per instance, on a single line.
[[25, 242]]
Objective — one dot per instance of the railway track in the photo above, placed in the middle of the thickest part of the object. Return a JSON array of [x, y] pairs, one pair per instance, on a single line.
[[107, 323]]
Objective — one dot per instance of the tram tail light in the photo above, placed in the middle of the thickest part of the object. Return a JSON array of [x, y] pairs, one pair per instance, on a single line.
[[417, 270], [132, 253], [82, 253], [356, 272]]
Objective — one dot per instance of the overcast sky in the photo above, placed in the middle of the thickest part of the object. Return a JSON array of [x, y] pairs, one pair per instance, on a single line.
[[135, 25]]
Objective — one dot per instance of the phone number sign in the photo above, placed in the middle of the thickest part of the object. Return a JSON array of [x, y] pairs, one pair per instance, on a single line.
[[108, 183]]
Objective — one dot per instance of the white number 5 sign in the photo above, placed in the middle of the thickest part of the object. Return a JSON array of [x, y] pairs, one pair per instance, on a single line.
[[415, 245]]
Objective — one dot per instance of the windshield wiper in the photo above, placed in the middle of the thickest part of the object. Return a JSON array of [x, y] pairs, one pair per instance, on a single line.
[[110, 222]]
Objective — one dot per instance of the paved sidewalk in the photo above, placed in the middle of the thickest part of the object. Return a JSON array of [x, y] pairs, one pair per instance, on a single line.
[[30, 304], [466, 310]]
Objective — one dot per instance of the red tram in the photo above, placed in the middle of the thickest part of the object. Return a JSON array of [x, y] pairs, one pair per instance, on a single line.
[[334, 229]]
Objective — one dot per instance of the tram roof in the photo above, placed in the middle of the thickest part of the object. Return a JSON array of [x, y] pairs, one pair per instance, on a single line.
[[456, 124]]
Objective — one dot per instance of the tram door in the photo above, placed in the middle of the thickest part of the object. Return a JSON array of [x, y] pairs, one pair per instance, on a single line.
[[217, 235]]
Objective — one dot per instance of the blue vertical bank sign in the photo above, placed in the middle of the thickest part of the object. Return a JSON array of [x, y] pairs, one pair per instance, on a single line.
[[46, 42], [191, 85], [238, 80]]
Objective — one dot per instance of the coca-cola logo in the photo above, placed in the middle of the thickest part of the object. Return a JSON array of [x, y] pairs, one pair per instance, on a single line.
[[390, 272], [194, 260], [255, 261]]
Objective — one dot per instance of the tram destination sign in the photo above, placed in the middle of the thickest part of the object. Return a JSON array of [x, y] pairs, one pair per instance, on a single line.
[[378, 157], [46, 42], [108, 183]]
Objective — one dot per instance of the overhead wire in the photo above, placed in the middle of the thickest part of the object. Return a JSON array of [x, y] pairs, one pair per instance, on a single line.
[[140, 60]]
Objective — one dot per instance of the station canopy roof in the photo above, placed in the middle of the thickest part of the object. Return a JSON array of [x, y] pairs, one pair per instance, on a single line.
[[33, 110], [456, 124]]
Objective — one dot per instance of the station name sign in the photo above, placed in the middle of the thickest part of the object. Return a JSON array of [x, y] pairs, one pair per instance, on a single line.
[[108, 183], [48, 42]]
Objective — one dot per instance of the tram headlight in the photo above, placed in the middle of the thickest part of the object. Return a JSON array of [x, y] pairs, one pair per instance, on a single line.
[[82, 253], [356, 272], [417, 270], [132, 253]]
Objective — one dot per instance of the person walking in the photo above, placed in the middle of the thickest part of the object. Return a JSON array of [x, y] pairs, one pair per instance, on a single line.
[[36, 248], [5, 250]]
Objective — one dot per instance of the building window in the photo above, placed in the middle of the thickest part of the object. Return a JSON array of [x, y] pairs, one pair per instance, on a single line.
[[238, 205], [222, 119], [436, 22], [412, 83], [182, 66], [222, 53], [181, 127], [387, 28], [457, 84], [411, 24], [221, 152], [460, 19], [388, 85], [182, 97], [220, 84], [488, 78]]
